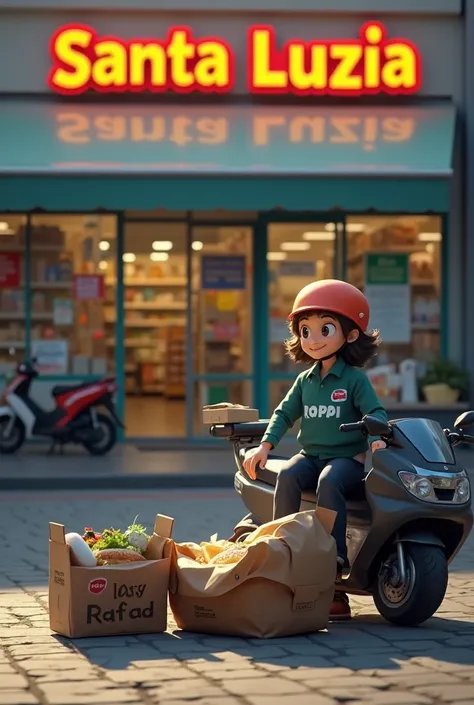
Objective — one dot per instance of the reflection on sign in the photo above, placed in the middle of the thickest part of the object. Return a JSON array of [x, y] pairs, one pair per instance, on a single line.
[[74, 127]]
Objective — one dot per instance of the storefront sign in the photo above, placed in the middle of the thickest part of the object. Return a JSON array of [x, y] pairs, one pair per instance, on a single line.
[[10, 270], [222, 272], [51, 356], [88, 287], [387, 289], [83, 60]]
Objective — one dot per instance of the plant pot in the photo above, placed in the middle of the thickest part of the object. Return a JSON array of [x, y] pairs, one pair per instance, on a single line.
[[440, 394]]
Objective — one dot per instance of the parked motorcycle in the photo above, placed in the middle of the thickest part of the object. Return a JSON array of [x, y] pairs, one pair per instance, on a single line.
[[75, 418], [406, 523]]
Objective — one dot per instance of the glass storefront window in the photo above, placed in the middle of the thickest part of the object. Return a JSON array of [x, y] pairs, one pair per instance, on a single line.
[[396, 261], [12, 291], [297, 254], [221, 314], [155, 320], [70, 257]]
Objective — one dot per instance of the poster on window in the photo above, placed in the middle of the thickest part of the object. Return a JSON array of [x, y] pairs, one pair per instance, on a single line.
[[88, 287], [387, 288], [10, 270], [51, 356], [63, 312], [223, 272]]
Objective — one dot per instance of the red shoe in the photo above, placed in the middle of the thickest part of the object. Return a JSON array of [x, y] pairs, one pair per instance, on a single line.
[[340, 608]]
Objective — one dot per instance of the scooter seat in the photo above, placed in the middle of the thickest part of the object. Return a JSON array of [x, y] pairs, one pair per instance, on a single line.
[[355, 502], [66, 388]]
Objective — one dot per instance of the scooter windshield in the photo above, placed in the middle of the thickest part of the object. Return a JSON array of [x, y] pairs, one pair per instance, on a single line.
[[428, 438]]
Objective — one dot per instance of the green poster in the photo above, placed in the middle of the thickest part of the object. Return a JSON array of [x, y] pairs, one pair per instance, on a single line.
[[387, 288], [387, 269]]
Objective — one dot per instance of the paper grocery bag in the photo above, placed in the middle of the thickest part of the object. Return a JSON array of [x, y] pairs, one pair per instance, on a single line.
[[284, 584]]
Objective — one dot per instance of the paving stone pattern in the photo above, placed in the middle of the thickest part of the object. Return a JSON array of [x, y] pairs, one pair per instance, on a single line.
[[366, 661]]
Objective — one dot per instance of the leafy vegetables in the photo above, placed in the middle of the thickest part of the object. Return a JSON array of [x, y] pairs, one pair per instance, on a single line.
[[134, 538]]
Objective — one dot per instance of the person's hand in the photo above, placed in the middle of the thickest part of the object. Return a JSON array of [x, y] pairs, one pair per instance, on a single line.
[[378, 445], [256, 456]]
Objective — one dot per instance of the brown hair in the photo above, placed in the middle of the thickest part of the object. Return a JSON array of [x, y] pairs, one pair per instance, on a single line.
[[356, 354]]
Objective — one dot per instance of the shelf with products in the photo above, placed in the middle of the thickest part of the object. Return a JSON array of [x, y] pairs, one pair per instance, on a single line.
[[149, 282], [155, 302], [175, 378]]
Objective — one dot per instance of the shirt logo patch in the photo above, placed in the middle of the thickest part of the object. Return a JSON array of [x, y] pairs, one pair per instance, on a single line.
[[339, 395]]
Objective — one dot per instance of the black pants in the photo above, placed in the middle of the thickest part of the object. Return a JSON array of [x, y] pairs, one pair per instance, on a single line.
[[332, 480]]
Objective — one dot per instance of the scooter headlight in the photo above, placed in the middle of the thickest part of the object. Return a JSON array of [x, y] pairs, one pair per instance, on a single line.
[[438, 487], [418, 486], [463, 491]]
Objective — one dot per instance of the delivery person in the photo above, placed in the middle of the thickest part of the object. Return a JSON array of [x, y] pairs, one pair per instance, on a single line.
[[328, 326]]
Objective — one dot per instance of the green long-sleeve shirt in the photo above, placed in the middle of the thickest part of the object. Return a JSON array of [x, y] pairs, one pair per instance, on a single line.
[[344, 395]]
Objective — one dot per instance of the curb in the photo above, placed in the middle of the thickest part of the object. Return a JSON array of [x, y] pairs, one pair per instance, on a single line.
[[117, 482]]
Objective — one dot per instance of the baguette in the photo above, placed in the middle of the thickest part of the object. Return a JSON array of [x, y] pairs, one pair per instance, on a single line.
[[230, 555], [116, 556]]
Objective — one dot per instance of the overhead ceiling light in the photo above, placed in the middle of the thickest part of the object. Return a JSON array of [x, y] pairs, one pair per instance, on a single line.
[[319, 235], [197, 245], [355, 227], [162, 245], [295, 246], [430, 248], [129, 257], [276, 256], [331, 227], [104, 245], [5, 229], [103, 265], [429, 237], [159, 256]]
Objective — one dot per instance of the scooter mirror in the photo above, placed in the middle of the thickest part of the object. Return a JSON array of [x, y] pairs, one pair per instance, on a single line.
[[464, 420], [377, 427]]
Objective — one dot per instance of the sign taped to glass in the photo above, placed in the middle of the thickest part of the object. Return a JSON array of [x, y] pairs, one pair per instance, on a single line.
[[223, 272], [10, 267], [88, 287]]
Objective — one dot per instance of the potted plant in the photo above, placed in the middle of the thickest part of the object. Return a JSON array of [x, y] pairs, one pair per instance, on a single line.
[[444, 382]]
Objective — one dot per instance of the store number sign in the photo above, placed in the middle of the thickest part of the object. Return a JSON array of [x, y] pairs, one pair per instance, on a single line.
[[372, 63]]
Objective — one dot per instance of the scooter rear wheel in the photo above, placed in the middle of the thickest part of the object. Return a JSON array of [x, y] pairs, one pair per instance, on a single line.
[[416, 600], [16, 437]]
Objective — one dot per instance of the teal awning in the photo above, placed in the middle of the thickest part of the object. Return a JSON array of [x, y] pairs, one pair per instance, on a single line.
[[67, 156]]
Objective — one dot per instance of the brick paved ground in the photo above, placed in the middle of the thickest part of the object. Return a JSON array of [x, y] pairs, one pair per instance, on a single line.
[[366, 661]]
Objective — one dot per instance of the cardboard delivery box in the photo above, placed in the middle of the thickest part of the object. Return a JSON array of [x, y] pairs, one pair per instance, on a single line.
[[228, 413], [130, 598], [282, 585]]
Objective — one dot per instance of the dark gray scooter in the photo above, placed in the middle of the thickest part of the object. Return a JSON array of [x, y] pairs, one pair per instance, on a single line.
[[405, 525]]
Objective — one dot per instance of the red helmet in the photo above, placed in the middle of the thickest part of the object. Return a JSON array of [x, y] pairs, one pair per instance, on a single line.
[[334, 296]]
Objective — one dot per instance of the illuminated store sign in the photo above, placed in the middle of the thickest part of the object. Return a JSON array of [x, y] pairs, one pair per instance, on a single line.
[[180, 63]]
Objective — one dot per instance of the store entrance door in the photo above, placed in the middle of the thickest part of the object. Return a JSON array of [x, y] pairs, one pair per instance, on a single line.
[[222, 318], [155, 282], [298, 253]]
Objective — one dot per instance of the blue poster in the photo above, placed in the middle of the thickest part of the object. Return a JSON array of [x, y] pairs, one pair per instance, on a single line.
[[223, 272]]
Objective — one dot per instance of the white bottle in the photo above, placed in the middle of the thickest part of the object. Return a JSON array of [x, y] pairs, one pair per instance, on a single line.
[[409, 391]]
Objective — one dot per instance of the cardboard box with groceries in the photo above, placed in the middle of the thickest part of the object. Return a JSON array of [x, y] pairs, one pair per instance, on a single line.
[[225, 412], [130, 598], [278, 582]]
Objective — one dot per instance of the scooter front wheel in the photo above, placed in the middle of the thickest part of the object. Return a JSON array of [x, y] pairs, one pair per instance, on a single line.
[[415, 600], [10, 443]]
